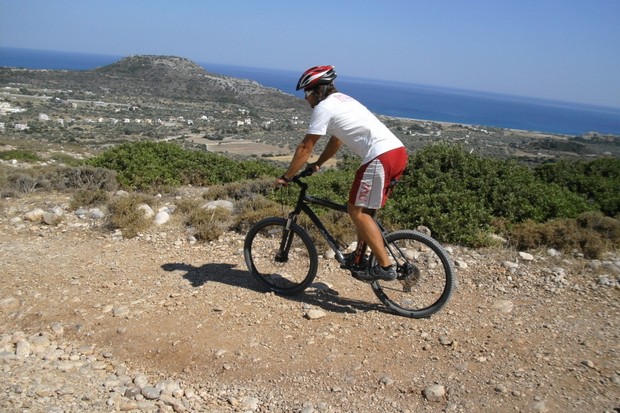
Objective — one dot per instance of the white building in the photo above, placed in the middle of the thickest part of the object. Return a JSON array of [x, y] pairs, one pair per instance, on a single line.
[[5, 107]]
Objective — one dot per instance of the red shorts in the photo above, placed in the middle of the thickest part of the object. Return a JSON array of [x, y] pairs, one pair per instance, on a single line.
[[370, 188]]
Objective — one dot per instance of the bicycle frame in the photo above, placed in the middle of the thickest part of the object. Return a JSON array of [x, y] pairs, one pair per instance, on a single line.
[[303, 205]]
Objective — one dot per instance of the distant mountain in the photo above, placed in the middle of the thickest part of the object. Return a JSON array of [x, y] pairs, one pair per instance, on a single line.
[[166, 77]]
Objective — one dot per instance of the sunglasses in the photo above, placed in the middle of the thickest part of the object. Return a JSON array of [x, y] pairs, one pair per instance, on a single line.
[[308, 92]]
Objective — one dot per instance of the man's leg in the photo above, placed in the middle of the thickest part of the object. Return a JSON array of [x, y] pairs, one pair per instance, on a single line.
[[369, 232]]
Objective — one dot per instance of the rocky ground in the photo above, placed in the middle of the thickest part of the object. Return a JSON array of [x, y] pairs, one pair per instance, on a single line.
[[92, 322]]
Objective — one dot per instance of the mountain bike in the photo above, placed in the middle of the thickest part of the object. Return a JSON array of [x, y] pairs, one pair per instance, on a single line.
[[282, 256]]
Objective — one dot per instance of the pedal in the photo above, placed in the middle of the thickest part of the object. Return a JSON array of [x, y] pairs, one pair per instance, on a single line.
[[349, 263]]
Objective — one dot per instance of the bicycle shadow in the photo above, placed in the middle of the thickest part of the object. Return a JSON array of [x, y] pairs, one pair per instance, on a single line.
[[317, 294]]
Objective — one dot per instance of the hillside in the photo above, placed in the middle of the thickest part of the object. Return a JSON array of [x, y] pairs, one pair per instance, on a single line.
[[162, 77], [149, 98], [173, 98]]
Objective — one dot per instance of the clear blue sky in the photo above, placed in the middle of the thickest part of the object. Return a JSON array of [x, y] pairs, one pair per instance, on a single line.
[[565, 50]]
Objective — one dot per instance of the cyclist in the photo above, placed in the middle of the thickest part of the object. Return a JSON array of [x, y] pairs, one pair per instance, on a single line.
[[384, 157]]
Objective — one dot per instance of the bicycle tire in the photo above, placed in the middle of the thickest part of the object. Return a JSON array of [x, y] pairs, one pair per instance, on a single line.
[[425, 275], [288, 276]]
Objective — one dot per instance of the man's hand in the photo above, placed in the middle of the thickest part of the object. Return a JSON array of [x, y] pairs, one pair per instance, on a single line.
[[314, 167], [281, 182]]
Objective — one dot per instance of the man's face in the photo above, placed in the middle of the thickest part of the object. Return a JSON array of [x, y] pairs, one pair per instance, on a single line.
[[311, 97]]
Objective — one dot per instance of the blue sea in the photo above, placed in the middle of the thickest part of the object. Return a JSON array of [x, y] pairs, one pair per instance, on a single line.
[[397, 99]]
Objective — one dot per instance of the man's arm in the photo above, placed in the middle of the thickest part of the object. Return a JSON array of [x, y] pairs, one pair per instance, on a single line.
[[302, 153], [330, 150]]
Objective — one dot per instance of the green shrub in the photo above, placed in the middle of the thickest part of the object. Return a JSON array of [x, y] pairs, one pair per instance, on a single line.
[[598, 181], [20, 155], [461, 196], [143, 165], [454, 217], [458, 195], [332, 184]]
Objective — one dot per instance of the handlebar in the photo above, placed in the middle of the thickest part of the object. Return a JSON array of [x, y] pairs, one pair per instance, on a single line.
[[306, 172], [297, 178], [303, 174]]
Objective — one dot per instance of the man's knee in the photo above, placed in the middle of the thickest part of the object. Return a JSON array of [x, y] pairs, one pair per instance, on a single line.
[[357, 211]]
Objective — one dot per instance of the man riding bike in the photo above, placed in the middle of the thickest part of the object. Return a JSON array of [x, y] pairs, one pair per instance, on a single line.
[[384, 157]]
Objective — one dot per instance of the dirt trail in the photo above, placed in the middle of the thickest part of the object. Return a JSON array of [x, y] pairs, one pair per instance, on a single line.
[[541, 338]]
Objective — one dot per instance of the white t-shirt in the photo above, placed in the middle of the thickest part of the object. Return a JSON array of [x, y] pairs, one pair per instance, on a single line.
[[342, 116]]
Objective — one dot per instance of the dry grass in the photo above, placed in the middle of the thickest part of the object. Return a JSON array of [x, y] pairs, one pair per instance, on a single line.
[[126, 216], [591, 234]]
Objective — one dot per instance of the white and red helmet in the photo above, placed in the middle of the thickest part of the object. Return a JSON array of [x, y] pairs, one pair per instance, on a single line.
[[315, 76]]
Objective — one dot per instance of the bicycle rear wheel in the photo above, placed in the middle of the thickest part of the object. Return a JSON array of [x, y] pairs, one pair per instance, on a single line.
[[283, 261], [425, 275]]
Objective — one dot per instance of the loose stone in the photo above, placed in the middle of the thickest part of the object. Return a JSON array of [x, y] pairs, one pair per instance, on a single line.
[[434, 392]]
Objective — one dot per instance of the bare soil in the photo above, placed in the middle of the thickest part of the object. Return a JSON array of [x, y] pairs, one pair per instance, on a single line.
[[536, 339]]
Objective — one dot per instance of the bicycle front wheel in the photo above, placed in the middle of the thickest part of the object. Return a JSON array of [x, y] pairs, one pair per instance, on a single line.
[[282, 260], [425, 275]]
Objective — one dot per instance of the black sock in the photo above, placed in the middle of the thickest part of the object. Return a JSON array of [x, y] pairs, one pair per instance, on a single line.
[[386, 268]]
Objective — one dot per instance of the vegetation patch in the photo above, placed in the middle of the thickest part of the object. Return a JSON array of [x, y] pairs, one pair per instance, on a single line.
[[19, 155], [462, 197], [208, 224], [145, 165], [88, 197], [591, 234], [126, 216], [250, 210]]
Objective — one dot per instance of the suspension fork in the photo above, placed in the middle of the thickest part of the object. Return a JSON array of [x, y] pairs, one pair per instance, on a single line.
[[287, 238]]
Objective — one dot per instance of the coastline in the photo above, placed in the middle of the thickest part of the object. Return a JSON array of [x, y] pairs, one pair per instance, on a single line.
[[482, 127], [395, 99]]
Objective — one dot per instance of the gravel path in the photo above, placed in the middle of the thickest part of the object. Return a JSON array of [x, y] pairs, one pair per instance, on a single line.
[[93, 322]]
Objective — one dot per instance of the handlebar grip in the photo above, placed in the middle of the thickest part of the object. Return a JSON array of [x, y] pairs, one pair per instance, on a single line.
[[306, 172]]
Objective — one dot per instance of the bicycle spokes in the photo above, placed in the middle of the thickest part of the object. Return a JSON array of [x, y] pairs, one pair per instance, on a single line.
[[425, 274]]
